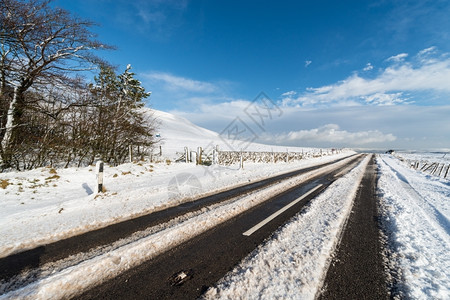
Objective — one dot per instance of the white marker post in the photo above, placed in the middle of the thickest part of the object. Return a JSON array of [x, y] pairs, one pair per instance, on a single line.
[[186, 154], [130, 153], [193, 156], [99, 173], [217, 161]]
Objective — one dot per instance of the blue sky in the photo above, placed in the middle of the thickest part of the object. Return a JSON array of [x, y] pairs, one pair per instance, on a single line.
[[370, 74]]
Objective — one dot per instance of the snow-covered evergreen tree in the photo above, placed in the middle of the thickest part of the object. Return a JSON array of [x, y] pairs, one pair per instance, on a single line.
[[121, 120]]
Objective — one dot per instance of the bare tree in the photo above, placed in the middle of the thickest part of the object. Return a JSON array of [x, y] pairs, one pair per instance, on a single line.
[[39, 45]]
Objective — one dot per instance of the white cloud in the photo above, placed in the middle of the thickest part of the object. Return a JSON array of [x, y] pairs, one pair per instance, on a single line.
[[427, 56], [368, 67], [424, 74], [332, 134], [181, 83], [385, 99], [307, 63], [169, 90], [288, 94], [382, 126], [427, 51], [398, 58]]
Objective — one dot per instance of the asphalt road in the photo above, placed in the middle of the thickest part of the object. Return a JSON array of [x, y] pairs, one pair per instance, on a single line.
[[200, 262], [357, 271]]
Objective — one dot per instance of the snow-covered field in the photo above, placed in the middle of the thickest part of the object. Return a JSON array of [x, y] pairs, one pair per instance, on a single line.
[[416, 217], [437, 157], [47, 204]]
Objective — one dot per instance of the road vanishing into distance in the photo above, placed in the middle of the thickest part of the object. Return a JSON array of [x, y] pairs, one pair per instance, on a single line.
[[187, 270]]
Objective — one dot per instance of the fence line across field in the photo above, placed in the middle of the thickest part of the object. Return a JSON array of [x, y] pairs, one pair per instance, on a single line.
[[433, 168], [228, 157]]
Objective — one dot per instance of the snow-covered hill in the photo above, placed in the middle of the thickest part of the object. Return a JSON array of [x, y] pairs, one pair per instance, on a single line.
[[176, 133], [174, 129]]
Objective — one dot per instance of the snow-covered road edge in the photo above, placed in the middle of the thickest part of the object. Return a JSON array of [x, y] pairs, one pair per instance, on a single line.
[[415, 214], [73, 280], [294, 261]]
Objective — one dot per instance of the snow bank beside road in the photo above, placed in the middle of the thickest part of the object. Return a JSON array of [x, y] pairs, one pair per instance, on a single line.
[[416, 213]]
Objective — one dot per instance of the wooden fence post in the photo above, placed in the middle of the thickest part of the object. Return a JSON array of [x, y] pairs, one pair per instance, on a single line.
[[186, 154], [435, 168], [199, 156], [430, 166], [241, 165], [214, 158], [99, 173], [440, 170]]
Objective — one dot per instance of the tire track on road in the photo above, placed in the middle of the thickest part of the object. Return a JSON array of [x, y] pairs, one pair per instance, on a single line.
[[357, 270]]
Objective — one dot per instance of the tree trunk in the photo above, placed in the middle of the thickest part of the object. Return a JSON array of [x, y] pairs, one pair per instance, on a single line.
[[5, 159]]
